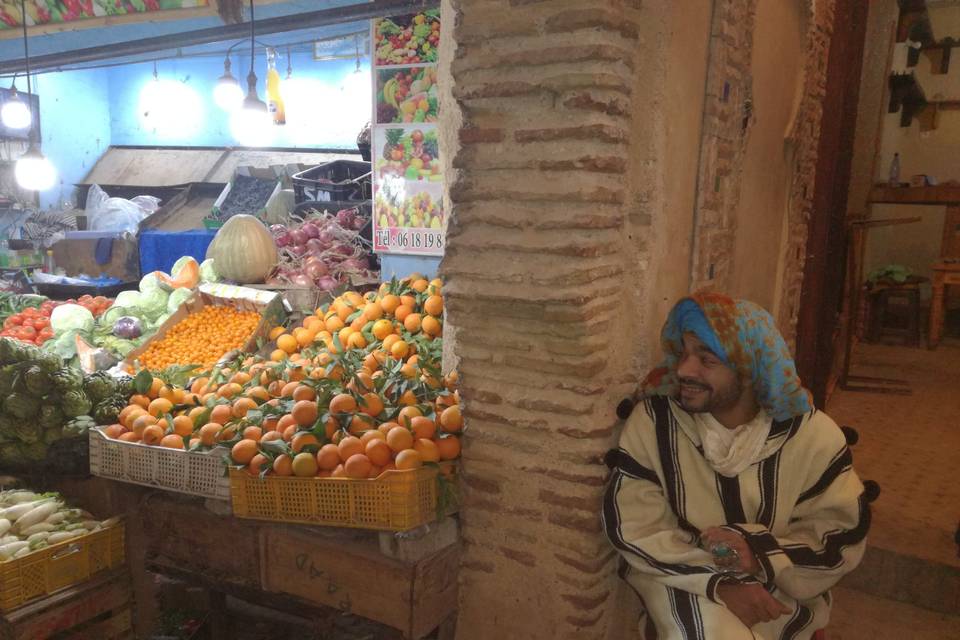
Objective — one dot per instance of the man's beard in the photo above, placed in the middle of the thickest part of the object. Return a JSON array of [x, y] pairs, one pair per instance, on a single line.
[[703, 398]]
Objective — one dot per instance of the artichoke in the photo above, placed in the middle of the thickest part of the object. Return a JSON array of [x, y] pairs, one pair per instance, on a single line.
[[52, 434], [7, 346], [21, 406], [78, 426], [125, 387], [50, 416], [8, 375], [27, 431], [107, 411], [7, 424], [33, 452], [76, 403], [67, 379], [36, 381], [99, 386], [47, 360]]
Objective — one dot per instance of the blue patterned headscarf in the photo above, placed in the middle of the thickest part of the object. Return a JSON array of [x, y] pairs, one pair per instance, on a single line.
[[742, 334]]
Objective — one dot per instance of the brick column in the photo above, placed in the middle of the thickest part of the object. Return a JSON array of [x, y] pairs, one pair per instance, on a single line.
[[551, 173]]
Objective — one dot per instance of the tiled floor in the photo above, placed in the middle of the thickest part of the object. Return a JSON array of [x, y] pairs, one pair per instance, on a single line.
[[858, 616], [911, 446]]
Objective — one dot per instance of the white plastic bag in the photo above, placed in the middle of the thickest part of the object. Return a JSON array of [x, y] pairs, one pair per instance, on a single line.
[[117, 214]]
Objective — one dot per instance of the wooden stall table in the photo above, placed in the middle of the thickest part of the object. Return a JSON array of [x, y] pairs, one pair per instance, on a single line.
[[944, 275], [98, 609]]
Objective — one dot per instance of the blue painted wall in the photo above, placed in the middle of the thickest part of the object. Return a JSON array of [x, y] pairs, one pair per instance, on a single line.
[[322, 112], [75, 121]]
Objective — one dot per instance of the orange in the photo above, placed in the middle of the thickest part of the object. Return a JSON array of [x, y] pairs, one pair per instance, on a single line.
[[285, 421], [257, 464], [389, 341], [390, 466], [403, 311], [431, 326], [334, 324], [304, 392], [260, 394], [381, 329], [288, 343], [305, 413], [389, 303], [400, 349], [276, 332], [451, 420], [289, 432], [304, 337], [253, 433], [407, 414], [349, 446], [304, 465], [373, 434], [303, 439], [182, 426], [433, 305], [449, 448], [338, 472], [221, 414], [408, 459], [408, 398], [270, 436], [419, 285], [142, 401], [361, 422], [423, 427], [243, 451], [229, 433], [331, 426], [191, 398], [159, 407], [115, 431], [166, 393], [126, 411], [132, 417], [427, 449], [408, 301], [328, 457], [386, 426], [373, 311], [436, 285], [412, 322], [241, 406], [356, 341], [199, 384], [408, 371], [142, 422], [241, 378], [357, 466], [229, 390], [172, 441], [313, 324], [155, 387], [400, 439], [129, 436], [343, 403], [375, 471], [379, 452], [362, 382], [152, 434], [209, 433], [283, 465], [278, 355]]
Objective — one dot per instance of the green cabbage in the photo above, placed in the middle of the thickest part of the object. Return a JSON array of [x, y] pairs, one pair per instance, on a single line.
[[208, 271], [71, 316], [153, 303], [127, 299], [159, 321], [149, 282], [116, 312], [178, 297]]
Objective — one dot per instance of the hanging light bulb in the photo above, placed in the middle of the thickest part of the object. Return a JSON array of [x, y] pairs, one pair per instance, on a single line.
[[32, 171], [228, 94], [251, 124], [15, 113]]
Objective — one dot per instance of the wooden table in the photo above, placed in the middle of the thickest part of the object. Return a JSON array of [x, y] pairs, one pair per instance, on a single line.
[[944, 275], [312, 572]]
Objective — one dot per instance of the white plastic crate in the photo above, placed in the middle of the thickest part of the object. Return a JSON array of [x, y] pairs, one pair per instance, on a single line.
[[196, 473]]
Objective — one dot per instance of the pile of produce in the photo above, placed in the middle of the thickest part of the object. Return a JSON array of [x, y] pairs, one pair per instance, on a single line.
[[45, 401], [324, 251], [248, 195], [354, 392], [409, 39], [396, 209], [411, 156], [201, 338], [32, 521], [30, 318], [132, 318], [407, 96]]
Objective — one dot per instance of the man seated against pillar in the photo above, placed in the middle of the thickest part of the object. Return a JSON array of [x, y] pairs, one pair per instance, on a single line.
[[733, 501]]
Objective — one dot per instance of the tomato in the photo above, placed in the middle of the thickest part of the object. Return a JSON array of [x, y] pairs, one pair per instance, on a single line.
[[85, 298], [40, 323], [27, 333], [12, 321], [46, 334], [101, 301], [29, 312]]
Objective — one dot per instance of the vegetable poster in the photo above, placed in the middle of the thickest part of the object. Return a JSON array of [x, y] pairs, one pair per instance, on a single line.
[[408, 206], [58, 11]]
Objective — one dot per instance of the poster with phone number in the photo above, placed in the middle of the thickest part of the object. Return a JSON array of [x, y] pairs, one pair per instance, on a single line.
[[408, 207]]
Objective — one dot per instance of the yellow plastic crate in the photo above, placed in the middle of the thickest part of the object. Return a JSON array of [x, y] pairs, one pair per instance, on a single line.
[[61, 565], [397, 501]]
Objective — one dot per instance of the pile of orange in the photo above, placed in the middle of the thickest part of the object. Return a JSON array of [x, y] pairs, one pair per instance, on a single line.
[[201, 338], [353, 392]]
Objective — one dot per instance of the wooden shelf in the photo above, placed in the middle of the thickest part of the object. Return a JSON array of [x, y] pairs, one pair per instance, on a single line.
[[945, 195]]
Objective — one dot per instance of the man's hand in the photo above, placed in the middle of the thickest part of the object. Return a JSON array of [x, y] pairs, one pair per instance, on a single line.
[[751, 603], [748, 561]]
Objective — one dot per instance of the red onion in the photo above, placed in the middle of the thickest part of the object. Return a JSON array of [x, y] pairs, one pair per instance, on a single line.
[[343, 249], [315, 247], [353, 264], [326, 237], [299, 249], [345, 218], [283, 240], [358, 223], [297, 236], [277, 229], [301, 280], [327, 283], [315, 268], [311, 230]]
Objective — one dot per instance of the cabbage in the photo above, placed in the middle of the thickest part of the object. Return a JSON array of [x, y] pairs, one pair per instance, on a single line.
[[116, 312], [208, 272], [159, 321], [64, 346], [71, 316], [178, 297], [149, 282], [129, 299], [153, 303]]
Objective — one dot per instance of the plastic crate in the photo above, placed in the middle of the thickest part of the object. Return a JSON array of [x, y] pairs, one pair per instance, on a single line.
[[61, 565], [193, 472], [396, 501], [343, 180]]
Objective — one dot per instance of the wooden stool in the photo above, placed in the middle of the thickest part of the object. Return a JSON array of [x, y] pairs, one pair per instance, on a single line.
[[98, 609], [944, 275], [880, 298]]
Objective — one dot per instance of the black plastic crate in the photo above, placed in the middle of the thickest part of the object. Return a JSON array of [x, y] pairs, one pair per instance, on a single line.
[[56, 291], [339, 180]]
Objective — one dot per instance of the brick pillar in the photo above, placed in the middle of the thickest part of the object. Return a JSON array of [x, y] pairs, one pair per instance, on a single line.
[[551, 176]]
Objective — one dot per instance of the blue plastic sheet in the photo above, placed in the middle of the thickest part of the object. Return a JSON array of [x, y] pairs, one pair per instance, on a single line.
[[160, 249]]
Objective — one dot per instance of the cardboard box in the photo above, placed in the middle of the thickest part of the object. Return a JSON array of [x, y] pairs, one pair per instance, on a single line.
[[77, 256], [267, 303]]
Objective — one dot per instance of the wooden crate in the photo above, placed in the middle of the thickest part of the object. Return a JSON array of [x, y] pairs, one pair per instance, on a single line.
[[99, 609]]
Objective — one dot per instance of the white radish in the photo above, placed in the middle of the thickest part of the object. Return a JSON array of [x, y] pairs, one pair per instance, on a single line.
[[60, 536], [9, 549], [40, 535], [57, 518], [4, 526], [37, 528], [91, 525], [26, 550], [14, 513], [76, 526], [37, 514]]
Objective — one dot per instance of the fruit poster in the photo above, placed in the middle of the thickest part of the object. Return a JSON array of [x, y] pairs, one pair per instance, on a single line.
[[41, 12], [408, 208]]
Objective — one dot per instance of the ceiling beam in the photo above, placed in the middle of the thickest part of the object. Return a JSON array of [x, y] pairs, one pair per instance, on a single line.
[[267, 26]]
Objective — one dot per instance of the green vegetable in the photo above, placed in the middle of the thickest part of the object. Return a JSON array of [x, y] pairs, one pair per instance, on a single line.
[[153, 303], [71, 316], [148, 282], [208, 271], [178, 297]]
